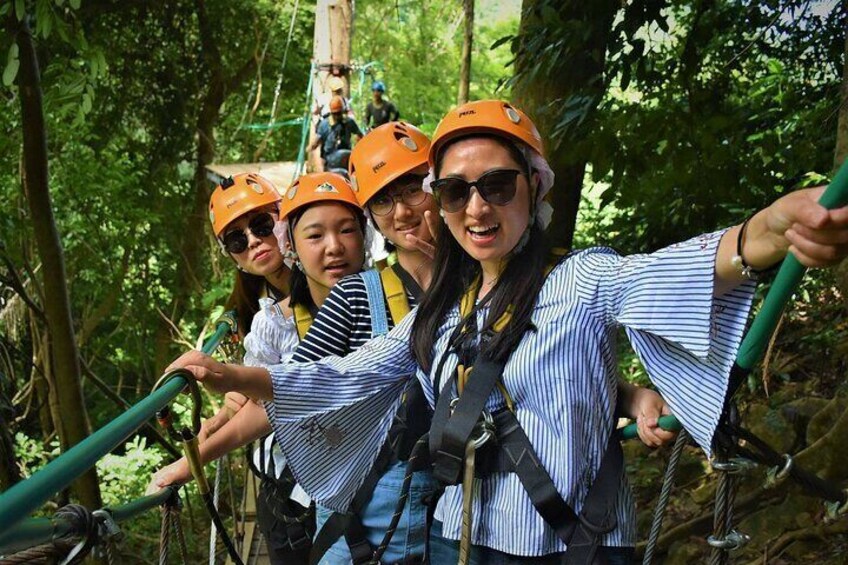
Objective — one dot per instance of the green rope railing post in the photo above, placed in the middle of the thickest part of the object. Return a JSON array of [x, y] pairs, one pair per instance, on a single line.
[[784, 285], [304, 131], [25, 497]]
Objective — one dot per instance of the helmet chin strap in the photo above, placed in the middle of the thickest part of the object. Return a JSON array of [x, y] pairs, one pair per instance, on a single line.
[[525, 237]]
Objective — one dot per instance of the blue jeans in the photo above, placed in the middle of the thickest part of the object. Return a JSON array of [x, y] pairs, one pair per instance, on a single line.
[[408, 539], [444, 550]]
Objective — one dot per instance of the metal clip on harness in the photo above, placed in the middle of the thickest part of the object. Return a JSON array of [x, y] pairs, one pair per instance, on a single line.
[[483, 432]]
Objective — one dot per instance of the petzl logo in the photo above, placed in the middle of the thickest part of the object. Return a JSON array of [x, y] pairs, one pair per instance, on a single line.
[[378, 166], [467, 113]]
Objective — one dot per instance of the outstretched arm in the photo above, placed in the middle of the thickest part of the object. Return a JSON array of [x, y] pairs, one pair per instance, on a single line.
[[795, 223]]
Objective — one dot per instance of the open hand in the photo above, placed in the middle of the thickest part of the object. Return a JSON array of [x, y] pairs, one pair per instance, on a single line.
[[176, 473]]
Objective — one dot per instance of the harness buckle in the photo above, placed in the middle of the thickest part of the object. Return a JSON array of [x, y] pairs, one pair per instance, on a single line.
[[733, 540]]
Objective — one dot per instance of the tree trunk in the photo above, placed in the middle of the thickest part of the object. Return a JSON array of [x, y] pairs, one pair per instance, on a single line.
[[57, 309], [193, 241], [576, 77], [839, 154], [9, 472], [330, 51], [841, 150], [467, 45]]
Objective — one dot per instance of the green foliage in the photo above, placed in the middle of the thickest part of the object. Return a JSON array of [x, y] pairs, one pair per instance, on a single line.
[[419, 59], [722, 111], [125, 477], [31, 454]]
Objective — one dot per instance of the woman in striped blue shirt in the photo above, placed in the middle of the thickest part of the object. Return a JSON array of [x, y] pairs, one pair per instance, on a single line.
[[548, 336]]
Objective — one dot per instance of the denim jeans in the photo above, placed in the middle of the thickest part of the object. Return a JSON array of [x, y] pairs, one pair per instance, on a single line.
[[408, 540], [444, 550]]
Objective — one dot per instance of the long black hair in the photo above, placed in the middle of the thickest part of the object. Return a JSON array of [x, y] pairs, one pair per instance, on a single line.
[[455, 271], [244, 298], [298, 283]]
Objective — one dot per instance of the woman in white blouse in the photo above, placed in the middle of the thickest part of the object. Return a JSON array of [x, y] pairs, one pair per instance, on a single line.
[[550, 328], [321, 232]]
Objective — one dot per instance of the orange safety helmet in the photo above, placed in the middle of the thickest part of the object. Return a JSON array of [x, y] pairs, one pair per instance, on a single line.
[[237, 195], [385, 154], [316, 187], [486, 116], [336, 104]]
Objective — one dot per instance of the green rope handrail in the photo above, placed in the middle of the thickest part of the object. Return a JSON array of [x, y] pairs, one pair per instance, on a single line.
[[25, 497], [790, 274]]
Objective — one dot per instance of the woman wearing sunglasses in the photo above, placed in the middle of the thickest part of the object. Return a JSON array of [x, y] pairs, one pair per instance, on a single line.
[[510, 345], [321, 231]]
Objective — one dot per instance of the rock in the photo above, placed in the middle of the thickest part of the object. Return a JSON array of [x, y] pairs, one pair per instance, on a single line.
[[685, 553], [772, 426], [704, 493], [824, 419], [804, 408], [772, 521]]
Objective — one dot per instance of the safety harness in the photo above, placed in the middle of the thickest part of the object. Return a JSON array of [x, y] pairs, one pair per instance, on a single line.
[[467, 442], [386, 289]]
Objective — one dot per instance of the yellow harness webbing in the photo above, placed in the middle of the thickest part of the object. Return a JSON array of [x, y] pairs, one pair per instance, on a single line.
[[302, 319], [395, 294], [466, 306]]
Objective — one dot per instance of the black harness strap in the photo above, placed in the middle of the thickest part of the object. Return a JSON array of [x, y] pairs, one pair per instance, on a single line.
[[449, 433], [299, 524], [515, 453], [409, 283]]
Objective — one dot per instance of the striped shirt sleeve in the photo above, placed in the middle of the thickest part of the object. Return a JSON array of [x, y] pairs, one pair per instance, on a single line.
[[686, 338], [330, 331], [333, 415]]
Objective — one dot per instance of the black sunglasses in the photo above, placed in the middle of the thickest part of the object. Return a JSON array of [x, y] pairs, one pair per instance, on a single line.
[[407, 190], [495, 187], [260, 225]]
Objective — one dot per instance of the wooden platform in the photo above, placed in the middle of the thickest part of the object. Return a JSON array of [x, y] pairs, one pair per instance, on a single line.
[[280, 173]]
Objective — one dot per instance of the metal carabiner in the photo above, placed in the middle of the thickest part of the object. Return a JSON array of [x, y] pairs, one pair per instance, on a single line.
[[194, 390], [733, 540], [734, 465]]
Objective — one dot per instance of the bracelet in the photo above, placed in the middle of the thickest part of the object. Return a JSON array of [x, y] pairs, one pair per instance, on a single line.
[[738, 260]]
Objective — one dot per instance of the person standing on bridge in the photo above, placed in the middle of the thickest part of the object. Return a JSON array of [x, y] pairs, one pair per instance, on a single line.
[[333, 135], [379, 111]]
